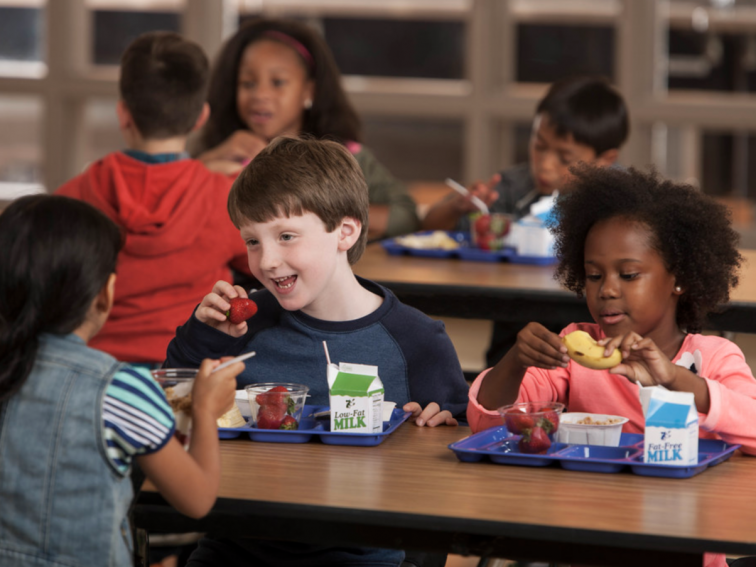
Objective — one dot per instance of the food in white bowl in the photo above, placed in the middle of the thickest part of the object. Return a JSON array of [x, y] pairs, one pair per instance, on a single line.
[[580, 428]]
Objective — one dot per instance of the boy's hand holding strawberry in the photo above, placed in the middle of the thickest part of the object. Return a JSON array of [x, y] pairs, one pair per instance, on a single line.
[[226, 308]]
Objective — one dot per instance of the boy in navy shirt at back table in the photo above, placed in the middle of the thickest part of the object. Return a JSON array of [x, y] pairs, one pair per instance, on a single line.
[[581, 119], [301, 207]]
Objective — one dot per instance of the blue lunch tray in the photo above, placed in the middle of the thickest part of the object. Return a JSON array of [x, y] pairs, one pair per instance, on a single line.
[[310, 427], [465, 252], [500, 446]]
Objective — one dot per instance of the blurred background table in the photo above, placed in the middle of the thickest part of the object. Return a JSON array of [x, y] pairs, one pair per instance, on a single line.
[[516, 292], [412, 492]]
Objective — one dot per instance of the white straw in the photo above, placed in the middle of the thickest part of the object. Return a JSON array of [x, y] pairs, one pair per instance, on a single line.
[[235, 360], [325, 348], [461, 189]]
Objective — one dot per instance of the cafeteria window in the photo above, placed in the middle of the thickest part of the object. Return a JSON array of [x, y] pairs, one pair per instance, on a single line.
[[114, 30], [728, 164], [20, 146], [414, 149], [546, 53], [101, 132], [397, 48], [22, 40]]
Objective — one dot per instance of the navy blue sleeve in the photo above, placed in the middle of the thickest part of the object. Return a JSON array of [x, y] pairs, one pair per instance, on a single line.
[[434, 372], [195, 341]]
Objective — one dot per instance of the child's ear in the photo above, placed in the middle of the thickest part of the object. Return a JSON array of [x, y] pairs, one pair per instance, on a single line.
[[607, 158], [125, 122], [202, 118], [104, 299], [349, 233]]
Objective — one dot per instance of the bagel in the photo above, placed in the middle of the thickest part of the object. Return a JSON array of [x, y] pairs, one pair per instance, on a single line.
[[583, 349]]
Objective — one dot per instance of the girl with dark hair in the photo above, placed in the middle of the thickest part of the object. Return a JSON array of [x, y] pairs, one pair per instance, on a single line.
[[73, 419], [278, 77]]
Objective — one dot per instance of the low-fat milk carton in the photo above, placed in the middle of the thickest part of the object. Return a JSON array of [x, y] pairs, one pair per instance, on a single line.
[[671, 436], [356, 397]]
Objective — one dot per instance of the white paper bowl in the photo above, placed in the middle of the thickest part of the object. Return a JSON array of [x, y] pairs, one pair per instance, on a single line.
[[243, 404], [580, 434]]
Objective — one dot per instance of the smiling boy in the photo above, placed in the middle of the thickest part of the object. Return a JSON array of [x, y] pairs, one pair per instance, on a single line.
[[301, 207]]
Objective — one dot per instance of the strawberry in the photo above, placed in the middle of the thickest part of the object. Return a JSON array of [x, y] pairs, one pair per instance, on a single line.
[[482, 224], [518, 422], [241, 310], [534, 441], [273, 396], [487, 242], [270, 416], [550, 420], [289, 423], [498, 225]]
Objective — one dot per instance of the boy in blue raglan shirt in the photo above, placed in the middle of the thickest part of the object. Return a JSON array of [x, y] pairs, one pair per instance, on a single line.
[[301, 207]]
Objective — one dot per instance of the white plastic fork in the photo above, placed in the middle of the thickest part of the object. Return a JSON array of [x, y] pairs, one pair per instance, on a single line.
[[462, 190]]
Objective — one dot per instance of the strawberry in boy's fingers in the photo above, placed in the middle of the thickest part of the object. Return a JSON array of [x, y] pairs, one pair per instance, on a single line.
[[241, 309]]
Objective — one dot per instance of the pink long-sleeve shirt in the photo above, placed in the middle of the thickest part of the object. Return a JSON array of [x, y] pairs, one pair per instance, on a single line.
[[732, 391]]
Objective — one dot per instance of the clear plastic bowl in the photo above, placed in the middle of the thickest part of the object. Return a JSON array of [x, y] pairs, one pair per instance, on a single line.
[[590, 434], [279, 410], [489, 231], [177, 384], [532, 421]]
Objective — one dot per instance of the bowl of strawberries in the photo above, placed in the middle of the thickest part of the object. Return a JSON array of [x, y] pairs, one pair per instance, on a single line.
[[488, 231], [535, 422], [276, 405]]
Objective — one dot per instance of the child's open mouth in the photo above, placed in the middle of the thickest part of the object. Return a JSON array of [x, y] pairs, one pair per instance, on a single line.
[[285, 282], [261, 117]]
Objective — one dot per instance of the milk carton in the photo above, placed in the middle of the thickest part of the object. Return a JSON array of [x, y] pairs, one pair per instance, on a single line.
[[356, 396], [671, 436]]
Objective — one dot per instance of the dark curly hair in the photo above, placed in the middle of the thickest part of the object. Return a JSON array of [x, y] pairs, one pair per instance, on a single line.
[[691, 231]]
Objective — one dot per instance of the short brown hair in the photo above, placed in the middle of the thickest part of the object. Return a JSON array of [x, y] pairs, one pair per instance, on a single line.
[[292, 176], [163, 83]]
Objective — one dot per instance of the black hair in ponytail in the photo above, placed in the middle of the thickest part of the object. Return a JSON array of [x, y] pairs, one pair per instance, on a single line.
[[56, 254]]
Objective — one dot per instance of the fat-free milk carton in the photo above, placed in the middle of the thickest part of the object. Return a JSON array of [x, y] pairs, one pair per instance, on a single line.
[[356, 396], [671, 436]]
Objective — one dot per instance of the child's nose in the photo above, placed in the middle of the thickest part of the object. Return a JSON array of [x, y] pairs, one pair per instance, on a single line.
[[262, 90], [269, 258], [609, 288]]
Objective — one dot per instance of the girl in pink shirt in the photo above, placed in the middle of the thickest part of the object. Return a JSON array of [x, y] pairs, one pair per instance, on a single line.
[[652, 258]]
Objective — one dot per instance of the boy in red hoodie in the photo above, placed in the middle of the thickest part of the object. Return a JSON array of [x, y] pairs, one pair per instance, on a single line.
[[179, 239]]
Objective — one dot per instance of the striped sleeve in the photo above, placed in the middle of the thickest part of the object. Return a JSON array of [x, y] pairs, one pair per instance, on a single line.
[[138, 419]]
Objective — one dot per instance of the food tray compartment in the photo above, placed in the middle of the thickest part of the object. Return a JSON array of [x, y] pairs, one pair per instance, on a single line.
[[465, 252], [598, 458], [310, 428], [499, 446]]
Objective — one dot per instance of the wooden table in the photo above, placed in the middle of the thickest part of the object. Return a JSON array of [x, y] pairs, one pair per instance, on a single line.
[[516, 292], [411, 492]]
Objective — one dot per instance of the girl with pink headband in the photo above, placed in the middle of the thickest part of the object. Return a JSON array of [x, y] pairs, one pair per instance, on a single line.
[[278, 77]]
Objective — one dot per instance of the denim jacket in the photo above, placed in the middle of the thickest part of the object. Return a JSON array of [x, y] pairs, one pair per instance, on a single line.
[[61, 501]]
